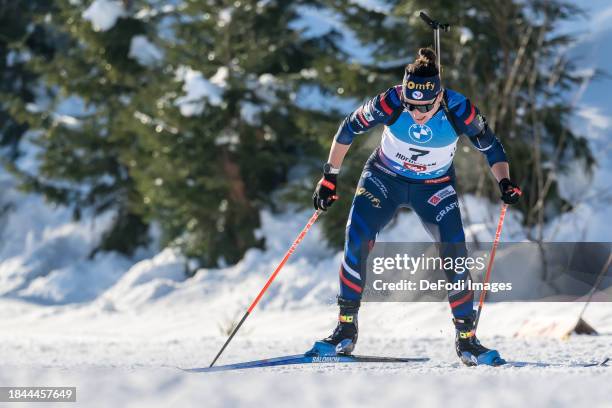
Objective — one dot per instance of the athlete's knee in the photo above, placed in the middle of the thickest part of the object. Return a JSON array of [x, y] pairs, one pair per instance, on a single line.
[[359, 234]]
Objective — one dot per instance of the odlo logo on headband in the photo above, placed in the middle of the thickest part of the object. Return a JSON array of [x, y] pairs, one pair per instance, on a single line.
[[426, 86]]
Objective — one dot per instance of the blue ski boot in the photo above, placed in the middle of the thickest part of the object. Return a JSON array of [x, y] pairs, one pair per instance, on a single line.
[[344, 337], [469, 349]]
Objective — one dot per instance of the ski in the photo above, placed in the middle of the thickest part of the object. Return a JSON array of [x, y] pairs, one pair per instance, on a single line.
[[540, 364], [304, 359]]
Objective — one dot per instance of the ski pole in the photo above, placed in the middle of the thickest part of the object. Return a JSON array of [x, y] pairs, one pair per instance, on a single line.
[[483, 293], [596, 285], [270, 279]]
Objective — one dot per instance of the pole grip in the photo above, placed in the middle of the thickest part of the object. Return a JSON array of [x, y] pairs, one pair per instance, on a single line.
[[428, 20], [434, 24]]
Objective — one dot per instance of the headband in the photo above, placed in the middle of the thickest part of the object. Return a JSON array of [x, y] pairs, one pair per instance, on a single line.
[[420, 88]]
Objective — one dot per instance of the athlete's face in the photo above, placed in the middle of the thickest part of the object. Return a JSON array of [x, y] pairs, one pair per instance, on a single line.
[[422, 117]]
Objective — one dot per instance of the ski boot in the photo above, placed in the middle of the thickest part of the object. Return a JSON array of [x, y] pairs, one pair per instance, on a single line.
[[344, 337], [469, 349]]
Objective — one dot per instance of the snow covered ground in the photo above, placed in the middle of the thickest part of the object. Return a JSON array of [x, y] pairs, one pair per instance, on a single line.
[[117, 328], [129, 358], [123, 347]]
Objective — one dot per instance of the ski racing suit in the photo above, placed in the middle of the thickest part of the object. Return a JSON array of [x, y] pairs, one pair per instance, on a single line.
[[412, 167]]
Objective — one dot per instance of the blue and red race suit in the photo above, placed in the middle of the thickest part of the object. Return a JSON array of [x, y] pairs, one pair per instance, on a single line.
[[412, 167]]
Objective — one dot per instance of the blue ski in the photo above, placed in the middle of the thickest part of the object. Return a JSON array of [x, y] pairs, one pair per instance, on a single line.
[[541, 364], [304, 359]]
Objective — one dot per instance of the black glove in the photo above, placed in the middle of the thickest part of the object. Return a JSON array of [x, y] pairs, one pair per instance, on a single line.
[[325, 192], [510, 191]]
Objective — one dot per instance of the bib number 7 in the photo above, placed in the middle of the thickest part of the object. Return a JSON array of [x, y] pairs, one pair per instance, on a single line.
[[417, 153]]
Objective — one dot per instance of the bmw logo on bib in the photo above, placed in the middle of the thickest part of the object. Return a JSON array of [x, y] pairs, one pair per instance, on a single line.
[[420, 133]]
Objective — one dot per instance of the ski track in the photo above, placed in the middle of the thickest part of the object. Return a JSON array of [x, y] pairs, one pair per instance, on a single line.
[[132, 360], [142, 373]]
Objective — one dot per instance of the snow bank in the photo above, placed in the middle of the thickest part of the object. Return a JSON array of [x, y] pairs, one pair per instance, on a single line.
[[44, 253], [147, 281]]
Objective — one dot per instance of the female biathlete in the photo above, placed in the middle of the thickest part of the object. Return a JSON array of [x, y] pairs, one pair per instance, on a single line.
[[413, 166]]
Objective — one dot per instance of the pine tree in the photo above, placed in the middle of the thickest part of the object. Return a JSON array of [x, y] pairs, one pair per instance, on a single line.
[[89, 74], [221, 156], [19, 32]]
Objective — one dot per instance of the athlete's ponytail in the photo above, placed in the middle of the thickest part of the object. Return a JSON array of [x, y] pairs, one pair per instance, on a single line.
[[424, 65]]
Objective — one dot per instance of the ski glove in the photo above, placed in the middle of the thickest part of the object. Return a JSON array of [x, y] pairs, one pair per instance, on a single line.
[[510, 191], [325, 192]]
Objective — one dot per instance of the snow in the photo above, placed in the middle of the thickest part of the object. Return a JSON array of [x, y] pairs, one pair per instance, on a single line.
[[130, 358], [44, 255], [250, 112], [144, 51], [103, 14], [313, 98], [200, 90], [313, 22], [141, 386], [220, 77], [146, 281], [68, 121], [225, 17], [265, 88], [373, 5], [466, 35]]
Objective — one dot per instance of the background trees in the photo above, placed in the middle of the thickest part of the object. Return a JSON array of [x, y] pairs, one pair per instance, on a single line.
[[197, 115]]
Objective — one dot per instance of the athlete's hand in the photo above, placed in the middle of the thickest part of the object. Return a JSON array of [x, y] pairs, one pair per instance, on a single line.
[[510, 191], [325, 192]]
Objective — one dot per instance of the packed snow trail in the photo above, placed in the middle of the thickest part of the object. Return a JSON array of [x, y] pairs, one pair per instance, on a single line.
[[129, 358]]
